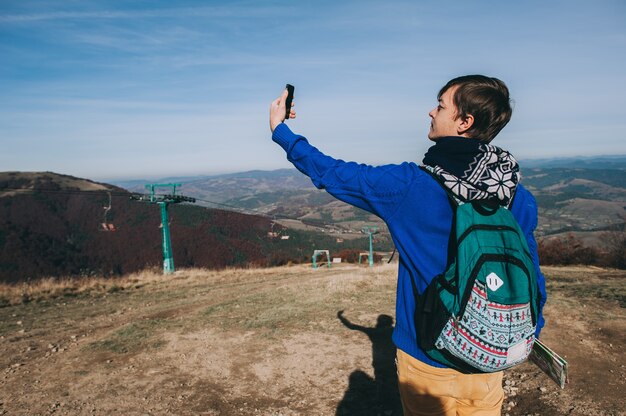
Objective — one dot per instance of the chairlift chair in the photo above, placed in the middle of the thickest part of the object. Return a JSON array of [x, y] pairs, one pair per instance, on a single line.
[[106, 225], [271, 233]]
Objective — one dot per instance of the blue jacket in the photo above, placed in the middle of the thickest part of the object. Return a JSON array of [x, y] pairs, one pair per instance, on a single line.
[[417, 213]]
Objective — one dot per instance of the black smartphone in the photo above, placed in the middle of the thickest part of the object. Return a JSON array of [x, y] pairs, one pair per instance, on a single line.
[[290, 89]]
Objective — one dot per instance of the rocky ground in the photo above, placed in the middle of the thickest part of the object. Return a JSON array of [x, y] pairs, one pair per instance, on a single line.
[[273, 342]]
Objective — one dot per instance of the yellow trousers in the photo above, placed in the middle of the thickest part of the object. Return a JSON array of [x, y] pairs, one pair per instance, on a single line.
[[432, 391]]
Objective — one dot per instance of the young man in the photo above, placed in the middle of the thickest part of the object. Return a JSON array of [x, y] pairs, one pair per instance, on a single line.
[[471, 112]]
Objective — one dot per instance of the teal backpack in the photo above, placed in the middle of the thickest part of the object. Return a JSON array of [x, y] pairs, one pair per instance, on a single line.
[[480, 315]]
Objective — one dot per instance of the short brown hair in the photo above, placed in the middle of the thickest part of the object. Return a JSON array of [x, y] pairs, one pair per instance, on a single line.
[[486, 99]]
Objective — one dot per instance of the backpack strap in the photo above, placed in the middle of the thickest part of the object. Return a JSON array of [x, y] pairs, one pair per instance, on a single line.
[[486, 208]]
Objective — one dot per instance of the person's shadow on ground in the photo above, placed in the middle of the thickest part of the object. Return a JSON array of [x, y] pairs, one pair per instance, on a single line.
[[378, 396]]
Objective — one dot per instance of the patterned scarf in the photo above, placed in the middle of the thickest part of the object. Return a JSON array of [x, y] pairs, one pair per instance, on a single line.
[[473, 170]]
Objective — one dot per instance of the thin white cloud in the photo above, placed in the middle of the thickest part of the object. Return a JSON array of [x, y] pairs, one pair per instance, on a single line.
[[214, 12]]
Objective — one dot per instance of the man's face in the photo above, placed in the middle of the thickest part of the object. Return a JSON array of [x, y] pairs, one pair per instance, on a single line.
[[444, 121]]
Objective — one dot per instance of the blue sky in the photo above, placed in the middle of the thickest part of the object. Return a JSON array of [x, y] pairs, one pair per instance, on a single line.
[[140, 89]]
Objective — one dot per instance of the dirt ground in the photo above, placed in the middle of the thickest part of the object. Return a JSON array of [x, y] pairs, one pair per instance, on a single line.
[[275, 342]]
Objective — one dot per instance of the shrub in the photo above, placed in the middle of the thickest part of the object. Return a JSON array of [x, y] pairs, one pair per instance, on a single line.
[[352, 256], [570, 250], [615, 255], [565, 251]]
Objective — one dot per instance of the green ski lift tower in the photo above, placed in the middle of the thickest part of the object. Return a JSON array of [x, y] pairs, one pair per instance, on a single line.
[[163, 200], [370, 230]]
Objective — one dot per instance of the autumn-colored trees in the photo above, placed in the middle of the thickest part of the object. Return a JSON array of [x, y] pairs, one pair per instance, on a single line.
[[571, 250]]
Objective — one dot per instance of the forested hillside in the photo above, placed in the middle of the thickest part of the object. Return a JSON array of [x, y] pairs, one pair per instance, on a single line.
[[51, 225]]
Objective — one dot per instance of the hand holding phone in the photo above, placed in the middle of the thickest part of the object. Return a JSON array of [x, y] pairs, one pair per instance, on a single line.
[[278, 113], [290, 89]]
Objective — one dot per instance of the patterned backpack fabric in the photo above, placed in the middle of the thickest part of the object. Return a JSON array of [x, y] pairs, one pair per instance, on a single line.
[[480, 315]]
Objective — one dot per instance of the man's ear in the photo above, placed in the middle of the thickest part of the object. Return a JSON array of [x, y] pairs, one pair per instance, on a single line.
[[464, 124]]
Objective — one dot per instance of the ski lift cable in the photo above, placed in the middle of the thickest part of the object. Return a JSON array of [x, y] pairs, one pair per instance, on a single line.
[[126, 194], [180, 198], [63, 191], [133, 195]]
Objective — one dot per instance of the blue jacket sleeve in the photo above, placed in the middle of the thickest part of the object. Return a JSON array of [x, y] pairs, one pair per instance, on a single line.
[[532, 245], [526, 214], [374, 189]]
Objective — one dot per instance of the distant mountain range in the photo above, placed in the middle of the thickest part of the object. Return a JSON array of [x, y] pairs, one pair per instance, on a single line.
[[582, 195], [584, 162]]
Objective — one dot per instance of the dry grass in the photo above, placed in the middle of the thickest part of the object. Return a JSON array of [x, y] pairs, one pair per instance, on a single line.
[[52, 288]]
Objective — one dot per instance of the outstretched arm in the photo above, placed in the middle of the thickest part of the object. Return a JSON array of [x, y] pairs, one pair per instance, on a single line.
[[349, 324]]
